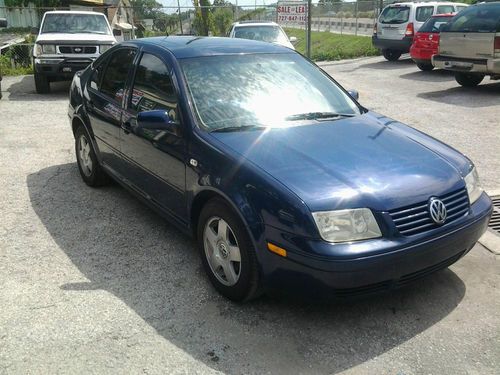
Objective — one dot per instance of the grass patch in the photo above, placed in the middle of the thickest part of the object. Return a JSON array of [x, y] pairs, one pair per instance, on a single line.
[[327, 46]]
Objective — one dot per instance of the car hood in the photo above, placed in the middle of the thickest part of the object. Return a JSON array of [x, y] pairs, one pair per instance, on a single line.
[[365, 161], [72, 38]]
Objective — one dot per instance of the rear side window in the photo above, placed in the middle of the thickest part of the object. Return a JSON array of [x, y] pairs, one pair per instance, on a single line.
[[117, 71], [477, 19], [153, 88], [395, 15], [424, 13], [434, 24], [443, 9]]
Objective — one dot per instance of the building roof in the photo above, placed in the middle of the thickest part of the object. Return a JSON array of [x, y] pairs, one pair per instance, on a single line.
[[194, 46]]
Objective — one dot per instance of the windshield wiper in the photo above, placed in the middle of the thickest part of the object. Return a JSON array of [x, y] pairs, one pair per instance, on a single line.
[[318, 116], [236, 128]]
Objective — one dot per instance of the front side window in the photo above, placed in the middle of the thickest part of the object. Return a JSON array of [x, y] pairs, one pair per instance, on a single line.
[[477, 19], [395, 15], [68, 23], [116, 73], [424, 13], [270, 90], [153, 88]]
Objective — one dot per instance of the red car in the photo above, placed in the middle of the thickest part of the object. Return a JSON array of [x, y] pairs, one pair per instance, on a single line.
[[426, 41]]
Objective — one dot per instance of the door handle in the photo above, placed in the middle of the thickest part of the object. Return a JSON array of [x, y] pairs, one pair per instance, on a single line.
[[127, 127]]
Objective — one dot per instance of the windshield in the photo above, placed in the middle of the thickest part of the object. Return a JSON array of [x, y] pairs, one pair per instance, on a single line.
[[270, 34], [75, 23], [434, 24], [477, 19], [271, 90], [395, 15]]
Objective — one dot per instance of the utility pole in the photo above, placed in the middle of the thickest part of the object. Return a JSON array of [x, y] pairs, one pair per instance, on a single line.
[[308, 35], [180, 17]]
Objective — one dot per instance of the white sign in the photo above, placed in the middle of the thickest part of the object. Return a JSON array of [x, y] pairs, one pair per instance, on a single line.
[[292, 12]]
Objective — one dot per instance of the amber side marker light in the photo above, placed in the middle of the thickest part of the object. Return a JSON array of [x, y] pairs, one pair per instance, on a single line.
[[276, 249]]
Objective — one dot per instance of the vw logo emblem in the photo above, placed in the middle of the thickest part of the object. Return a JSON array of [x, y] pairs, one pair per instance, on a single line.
[[437, 210]]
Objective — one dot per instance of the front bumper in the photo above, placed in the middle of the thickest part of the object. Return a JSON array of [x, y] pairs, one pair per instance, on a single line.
[[369, 266], [61, 68], [459, 64], [401, 45]]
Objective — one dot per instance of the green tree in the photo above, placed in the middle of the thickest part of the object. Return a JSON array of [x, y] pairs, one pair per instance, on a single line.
[[223, 18], [146, 9], [203, 19]]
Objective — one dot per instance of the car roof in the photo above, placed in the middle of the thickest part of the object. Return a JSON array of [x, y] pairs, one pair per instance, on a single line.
[[73, 12], [195, 46], [255, 23]]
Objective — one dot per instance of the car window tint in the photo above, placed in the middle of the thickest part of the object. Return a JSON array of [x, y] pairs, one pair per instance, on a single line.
[[97, 74], [424, 13], [153, 88], [395, 15], [442, 9], [434, 24], [477, 19], [117, 71]]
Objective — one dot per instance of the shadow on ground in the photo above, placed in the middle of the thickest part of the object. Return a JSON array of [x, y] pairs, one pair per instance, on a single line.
[[24, 89], [439, 75], [486, 94], [122, 247]]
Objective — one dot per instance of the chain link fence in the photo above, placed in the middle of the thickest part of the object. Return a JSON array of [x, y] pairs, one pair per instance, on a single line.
[[344, 18]]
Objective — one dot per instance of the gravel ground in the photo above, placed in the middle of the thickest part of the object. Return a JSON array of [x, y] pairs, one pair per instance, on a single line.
[[94, 282]]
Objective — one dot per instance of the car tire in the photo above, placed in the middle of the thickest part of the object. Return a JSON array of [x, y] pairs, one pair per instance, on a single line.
[[425, 67], [42, 84], [469, 79], [391, 55], [227, 252], [88, 165]]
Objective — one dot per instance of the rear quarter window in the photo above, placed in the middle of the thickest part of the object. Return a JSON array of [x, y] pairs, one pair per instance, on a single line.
[[443, 9], [424, 13]]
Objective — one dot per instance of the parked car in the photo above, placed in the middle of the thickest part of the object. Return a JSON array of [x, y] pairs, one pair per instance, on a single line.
[[282, 177], [470, 44], [264, 31], [393, 33], [68, 41], [3, 23], [426, 41]]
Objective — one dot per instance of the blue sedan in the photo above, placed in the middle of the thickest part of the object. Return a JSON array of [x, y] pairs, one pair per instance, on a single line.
[[284, 179]]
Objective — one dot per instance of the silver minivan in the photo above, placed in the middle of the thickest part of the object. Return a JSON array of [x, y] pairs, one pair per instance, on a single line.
[[397, 24], [470, 44]]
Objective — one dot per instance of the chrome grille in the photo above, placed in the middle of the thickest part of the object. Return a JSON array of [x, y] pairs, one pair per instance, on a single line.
[[415, 219], [78, 49]]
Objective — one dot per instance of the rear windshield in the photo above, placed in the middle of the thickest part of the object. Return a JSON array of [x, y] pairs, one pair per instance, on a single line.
[[74, 23], [424, 13], [395, 15], [434, 24], [477, 19]]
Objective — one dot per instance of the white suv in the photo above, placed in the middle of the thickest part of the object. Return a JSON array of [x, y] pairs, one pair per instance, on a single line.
[[68, 41], [261, 30], [397, 24]]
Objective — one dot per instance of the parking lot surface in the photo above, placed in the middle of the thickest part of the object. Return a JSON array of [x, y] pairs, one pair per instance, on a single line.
[[94, 282]]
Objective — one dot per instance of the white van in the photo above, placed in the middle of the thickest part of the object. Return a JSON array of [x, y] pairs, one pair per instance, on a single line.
[[397, 24]]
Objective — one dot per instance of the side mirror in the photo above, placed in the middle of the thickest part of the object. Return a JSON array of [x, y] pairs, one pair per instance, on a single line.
[[293, 39], [156, 120], [3, 22], [354, 94], [35, 30]]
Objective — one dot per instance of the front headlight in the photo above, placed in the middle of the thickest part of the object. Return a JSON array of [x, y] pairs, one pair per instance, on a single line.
[[472, 185], [49, 49], [38, 50], [104, 47], [347, 225]]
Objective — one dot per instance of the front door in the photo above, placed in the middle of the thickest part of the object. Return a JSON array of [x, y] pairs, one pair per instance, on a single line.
[[155, 158]]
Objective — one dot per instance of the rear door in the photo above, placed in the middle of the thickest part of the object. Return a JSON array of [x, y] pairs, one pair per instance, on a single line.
[[393, 21], [104, 102], [472, 32]]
